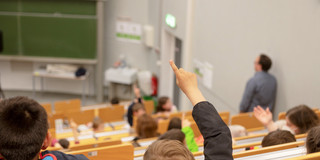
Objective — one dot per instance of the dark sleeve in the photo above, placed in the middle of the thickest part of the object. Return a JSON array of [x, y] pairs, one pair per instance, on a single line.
[[247, 96], [139, 100], [216, 134], [63, 156], [130, 114]]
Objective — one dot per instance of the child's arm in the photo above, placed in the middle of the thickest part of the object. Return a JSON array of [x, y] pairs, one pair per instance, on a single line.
[[217, 137], [265, 117], [74, 128]]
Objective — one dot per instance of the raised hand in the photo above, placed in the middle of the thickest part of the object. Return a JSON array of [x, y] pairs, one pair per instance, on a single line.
[[187, 82], [136, 91], [264, 116]]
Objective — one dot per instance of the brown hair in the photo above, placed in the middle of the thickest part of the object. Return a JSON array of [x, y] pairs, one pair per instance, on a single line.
[[278, 137], [137, 106], [313, 140], [175, 122], [96, 123], [161, 102], [173, 134], [64, 143], [167, 150], [265, 62], [146, 126], [303, 117]]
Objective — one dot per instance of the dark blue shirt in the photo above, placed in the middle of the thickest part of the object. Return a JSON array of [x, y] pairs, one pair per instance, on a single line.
[[260, 90]]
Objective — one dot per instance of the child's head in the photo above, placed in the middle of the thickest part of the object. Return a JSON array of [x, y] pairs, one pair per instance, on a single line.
[[97, 124], [277, 137], [64, 143], [175, 123], [167, 150], [164, 104], [146, 126], [173, 134], [237, 131], [138, 109], [301, 119], [313, 140], [23, 128]]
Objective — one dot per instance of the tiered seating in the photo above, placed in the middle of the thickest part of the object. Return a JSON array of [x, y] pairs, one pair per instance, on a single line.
[[149, 106], [68, 106], [112, 114], [119, 152], [313, 156], [113, 143], [247, 120]]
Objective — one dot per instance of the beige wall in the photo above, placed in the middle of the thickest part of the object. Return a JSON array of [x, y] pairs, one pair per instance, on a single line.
[[230, 34]]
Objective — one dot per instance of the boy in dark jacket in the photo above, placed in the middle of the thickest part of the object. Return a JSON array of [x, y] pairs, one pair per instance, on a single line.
[[216, 134], [24, 132]]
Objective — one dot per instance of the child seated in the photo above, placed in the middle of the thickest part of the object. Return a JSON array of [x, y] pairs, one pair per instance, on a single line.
[[146, 128], [165, 106], [277, 137], [97, 125], [64, 143], [313, 140], [138, 110], [175, 122], [184, 126], [24, 131], [137, 100], [167, 150], [299, 119], [174, 134]]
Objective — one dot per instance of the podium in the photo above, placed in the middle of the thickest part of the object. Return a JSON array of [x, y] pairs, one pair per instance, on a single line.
[[125, 77]]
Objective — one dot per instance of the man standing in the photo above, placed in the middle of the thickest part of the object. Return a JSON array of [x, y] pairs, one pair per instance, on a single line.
[[261, 88]]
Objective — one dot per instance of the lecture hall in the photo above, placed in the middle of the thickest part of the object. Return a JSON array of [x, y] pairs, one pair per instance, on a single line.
[[159, 80]]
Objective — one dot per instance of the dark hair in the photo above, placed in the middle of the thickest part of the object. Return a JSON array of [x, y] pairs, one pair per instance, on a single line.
[[23, 128], [277, 137], [115, 100], [313, 140], [64, 143], [265, 62], [146, 126], [167, 150], [173, 134], [175, 122], [137, 106], [303, 117], [161, 102]]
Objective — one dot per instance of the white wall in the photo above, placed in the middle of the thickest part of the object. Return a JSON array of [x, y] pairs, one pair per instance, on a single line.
[[230, 34], [183, 11], [144, 12]]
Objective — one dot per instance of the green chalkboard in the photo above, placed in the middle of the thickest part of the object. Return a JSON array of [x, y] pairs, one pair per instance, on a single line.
[[49, 28], [9, 28]]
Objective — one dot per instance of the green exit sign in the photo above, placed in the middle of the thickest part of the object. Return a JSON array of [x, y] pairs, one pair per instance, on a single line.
[[171, 20]]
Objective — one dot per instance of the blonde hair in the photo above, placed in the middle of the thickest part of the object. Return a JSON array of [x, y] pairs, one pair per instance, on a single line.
[[167, 150]]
